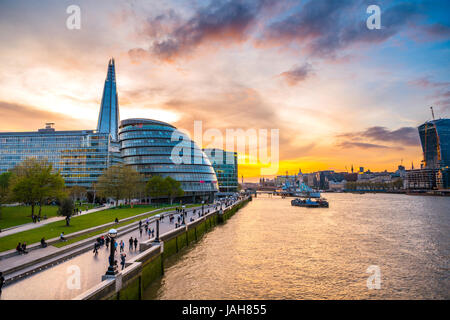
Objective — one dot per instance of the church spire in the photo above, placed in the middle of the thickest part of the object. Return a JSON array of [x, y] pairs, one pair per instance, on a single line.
[[108, 119]]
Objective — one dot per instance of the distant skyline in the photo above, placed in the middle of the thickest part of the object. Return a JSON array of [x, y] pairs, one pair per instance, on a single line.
[[340, 94]]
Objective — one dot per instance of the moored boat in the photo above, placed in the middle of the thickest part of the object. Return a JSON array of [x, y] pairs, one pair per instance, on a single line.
[[308, 203]]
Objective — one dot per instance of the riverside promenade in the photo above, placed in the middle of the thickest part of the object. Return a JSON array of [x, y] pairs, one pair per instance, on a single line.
[[48, 279], [32, 225]]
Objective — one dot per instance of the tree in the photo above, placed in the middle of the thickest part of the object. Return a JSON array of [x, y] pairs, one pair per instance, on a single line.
[[119, 182], [110, 183], [5, 179], [48, 185], [173, 188], [156, 187], [66, 208], [132, 183], [77, 192], [34, 182]]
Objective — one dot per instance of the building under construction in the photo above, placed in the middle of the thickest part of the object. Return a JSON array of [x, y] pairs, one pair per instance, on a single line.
[[434, 172]]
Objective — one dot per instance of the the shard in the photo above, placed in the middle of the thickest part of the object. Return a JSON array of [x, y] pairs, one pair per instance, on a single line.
[[108, 119]]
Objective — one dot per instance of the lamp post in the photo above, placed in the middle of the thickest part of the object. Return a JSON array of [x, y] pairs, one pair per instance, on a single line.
[[183, 211], [112, 269], [157, 228]]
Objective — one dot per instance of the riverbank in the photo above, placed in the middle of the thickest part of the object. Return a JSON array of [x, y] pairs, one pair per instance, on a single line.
[[148, 266]]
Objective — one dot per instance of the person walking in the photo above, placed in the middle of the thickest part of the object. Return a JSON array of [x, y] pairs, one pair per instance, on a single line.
[[122, 260], [140, 232], [107, 242], [140, 224], [135, 244], [130, 242], [122, 246], [95, 248]]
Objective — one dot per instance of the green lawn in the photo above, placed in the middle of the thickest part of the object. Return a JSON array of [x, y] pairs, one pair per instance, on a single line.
[[14, 216], [77, 223]]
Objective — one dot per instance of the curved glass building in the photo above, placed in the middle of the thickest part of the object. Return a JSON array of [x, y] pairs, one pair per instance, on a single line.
[[157, 148]]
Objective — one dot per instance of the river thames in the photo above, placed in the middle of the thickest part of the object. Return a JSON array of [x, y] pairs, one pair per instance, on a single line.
[[271, 250]]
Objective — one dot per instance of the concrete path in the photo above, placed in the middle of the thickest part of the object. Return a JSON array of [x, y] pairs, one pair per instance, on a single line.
[[31, 225], [56, 282]]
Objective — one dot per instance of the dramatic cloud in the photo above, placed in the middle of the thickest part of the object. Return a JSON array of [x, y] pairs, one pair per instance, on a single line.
[[297, 74], [406, 136], [218, 22], [323, 27], [361, 145]]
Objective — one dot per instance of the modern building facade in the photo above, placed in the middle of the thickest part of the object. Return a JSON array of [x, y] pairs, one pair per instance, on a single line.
[[157, 148], [80, 155], [435, 140], [225, 164]]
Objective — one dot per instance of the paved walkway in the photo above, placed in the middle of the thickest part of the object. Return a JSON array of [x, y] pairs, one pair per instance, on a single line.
[[52, 283], [31, 225]]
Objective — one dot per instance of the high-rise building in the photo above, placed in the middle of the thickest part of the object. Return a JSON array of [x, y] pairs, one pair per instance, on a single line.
[[80, 155], [435, 140], [151, 146], [434, 172], [108, 118], [225, 164]]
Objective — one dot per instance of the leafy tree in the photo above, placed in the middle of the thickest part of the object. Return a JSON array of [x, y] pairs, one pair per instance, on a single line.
[[156, 187], [66, 208], [110, 183], [48, 185], [132, 183], [5, 179], [173, 188], [77, 192], [33, 182]]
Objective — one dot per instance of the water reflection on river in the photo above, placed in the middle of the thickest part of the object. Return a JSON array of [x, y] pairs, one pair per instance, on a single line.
[[270, 250]]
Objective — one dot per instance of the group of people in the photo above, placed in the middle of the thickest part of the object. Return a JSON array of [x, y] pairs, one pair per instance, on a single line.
[[22, 248], [36, 218], [148, 231]]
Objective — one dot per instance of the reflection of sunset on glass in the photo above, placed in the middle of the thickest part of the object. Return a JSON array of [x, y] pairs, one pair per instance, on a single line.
[[250, 68]]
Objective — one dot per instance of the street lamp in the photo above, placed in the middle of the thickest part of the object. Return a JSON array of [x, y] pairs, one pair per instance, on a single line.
[[157, 228], [203, 203], [112, 269]]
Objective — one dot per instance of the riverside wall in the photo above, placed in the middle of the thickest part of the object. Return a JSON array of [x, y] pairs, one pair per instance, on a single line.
[[143, 269]]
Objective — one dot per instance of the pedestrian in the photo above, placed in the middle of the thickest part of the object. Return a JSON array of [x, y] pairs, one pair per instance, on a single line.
[[146, 228], [43, 243], [116, 221], [122, 260], [153, 232], [61, 237], [149, 233], [140, 224], [140, 232], [19, 248], [95, 248], [115, 246], [135, 244], [107, 242], [122, 246], [24, 247], [39, 218], [130, 242], [2, 281]]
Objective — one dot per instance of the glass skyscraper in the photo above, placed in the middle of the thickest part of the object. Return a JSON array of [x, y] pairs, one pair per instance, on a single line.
[[157, 148], [81, 155], [225, 165], [435, 139]]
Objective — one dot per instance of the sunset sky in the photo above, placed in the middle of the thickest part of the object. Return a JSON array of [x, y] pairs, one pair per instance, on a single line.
[[339, 93]]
